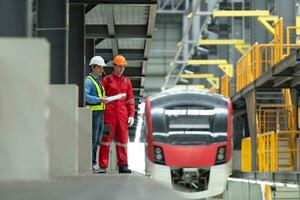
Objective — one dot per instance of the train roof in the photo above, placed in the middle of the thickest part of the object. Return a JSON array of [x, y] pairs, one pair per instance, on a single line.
[[195, 97]]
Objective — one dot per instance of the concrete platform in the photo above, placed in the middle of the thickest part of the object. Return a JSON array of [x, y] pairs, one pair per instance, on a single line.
[[88, 187]]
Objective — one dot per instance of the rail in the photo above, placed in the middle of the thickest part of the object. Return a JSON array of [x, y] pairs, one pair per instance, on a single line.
[[225, 86], [246, 155], [262, 57]]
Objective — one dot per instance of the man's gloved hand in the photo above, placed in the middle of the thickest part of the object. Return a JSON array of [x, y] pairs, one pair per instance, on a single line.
[[130, 121]]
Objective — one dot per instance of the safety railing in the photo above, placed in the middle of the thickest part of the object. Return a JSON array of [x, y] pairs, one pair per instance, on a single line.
[[292, 38], [274, 155], [225, 86], [290, 108], [213, 90], [246, 155], [261, 57], [275, 117]]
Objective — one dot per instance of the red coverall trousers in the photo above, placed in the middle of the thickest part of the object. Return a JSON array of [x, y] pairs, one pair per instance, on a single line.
[[116, 116]]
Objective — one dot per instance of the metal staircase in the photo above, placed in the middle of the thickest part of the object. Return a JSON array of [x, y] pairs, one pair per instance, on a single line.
[[275, 119]]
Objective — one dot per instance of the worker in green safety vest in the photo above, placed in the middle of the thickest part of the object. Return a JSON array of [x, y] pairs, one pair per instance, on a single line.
[[95, 100]]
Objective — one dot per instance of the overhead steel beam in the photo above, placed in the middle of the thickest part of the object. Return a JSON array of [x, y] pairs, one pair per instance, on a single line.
[[97, 41], [89, 7], [121, 31], [111, 28], [129, 71], [151, 19], [129, 54], [134, 2], [147, 47]]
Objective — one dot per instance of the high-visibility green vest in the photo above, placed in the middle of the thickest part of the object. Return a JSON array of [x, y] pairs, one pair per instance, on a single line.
[[100, 106]]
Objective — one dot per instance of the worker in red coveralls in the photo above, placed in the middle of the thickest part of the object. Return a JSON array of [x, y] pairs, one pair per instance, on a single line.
[[118, 114]]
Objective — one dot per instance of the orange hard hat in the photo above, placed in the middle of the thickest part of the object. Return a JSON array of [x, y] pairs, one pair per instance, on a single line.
[[119, 60]]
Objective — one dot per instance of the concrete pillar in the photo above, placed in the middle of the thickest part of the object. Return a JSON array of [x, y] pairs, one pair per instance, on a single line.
[[23, 106], [85, 120], [63, 125], [76, 70]]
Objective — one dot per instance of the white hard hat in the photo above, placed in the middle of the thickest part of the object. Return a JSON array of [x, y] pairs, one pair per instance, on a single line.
[[97, 60]]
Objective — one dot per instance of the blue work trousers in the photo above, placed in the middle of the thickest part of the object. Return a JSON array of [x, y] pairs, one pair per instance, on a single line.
[[98, 124]]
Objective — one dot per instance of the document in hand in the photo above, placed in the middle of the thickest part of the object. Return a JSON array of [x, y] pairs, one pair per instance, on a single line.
[[116, 97]]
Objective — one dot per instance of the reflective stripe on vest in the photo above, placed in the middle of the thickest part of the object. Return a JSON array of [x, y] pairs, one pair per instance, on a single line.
[[100, 106]]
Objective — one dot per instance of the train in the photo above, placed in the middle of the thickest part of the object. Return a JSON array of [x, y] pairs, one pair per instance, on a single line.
[[188, 141]]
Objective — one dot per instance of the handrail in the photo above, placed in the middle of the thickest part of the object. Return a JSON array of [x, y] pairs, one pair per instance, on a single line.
[[225, 86], [246, 155], [272, 155], [261, 57]]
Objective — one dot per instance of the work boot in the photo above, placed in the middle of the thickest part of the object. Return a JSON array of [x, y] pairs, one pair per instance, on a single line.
[[124, 170], [102, 170], [95, 168]]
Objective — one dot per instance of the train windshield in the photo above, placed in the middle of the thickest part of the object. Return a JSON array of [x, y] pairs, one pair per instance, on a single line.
[[189, 125]]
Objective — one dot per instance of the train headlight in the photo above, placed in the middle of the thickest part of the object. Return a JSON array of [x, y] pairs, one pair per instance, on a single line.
[[221, 155], [159, 155]]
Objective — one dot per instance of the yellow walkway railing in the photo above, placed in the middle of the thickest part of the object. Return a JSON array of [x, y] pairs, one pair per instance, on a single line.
[[272, 157], [225, 86], [246, 155], [261, 57], [274, 117]]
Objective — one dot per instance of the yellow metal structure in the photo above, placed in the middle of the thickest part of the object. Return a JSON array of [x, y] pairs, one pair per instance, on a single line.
[[246, 155], [298, 24], [268, 22], [240, 13], [206, 62], [196, 75], [239, 45], [213, 90], [260, 58], [270, 153], [267, 192], [191, 86], [220, 42], [222, 64], [215, 82], [225, 86], [227, 68], [242, 48]]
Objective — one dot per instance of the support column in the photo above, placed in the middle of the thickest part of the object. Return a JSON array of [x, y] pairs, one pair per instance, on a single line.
[[251, 115], [89, 53], [14, 18], [52, 26], [258, 32], [76, 69], [287, 10]]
